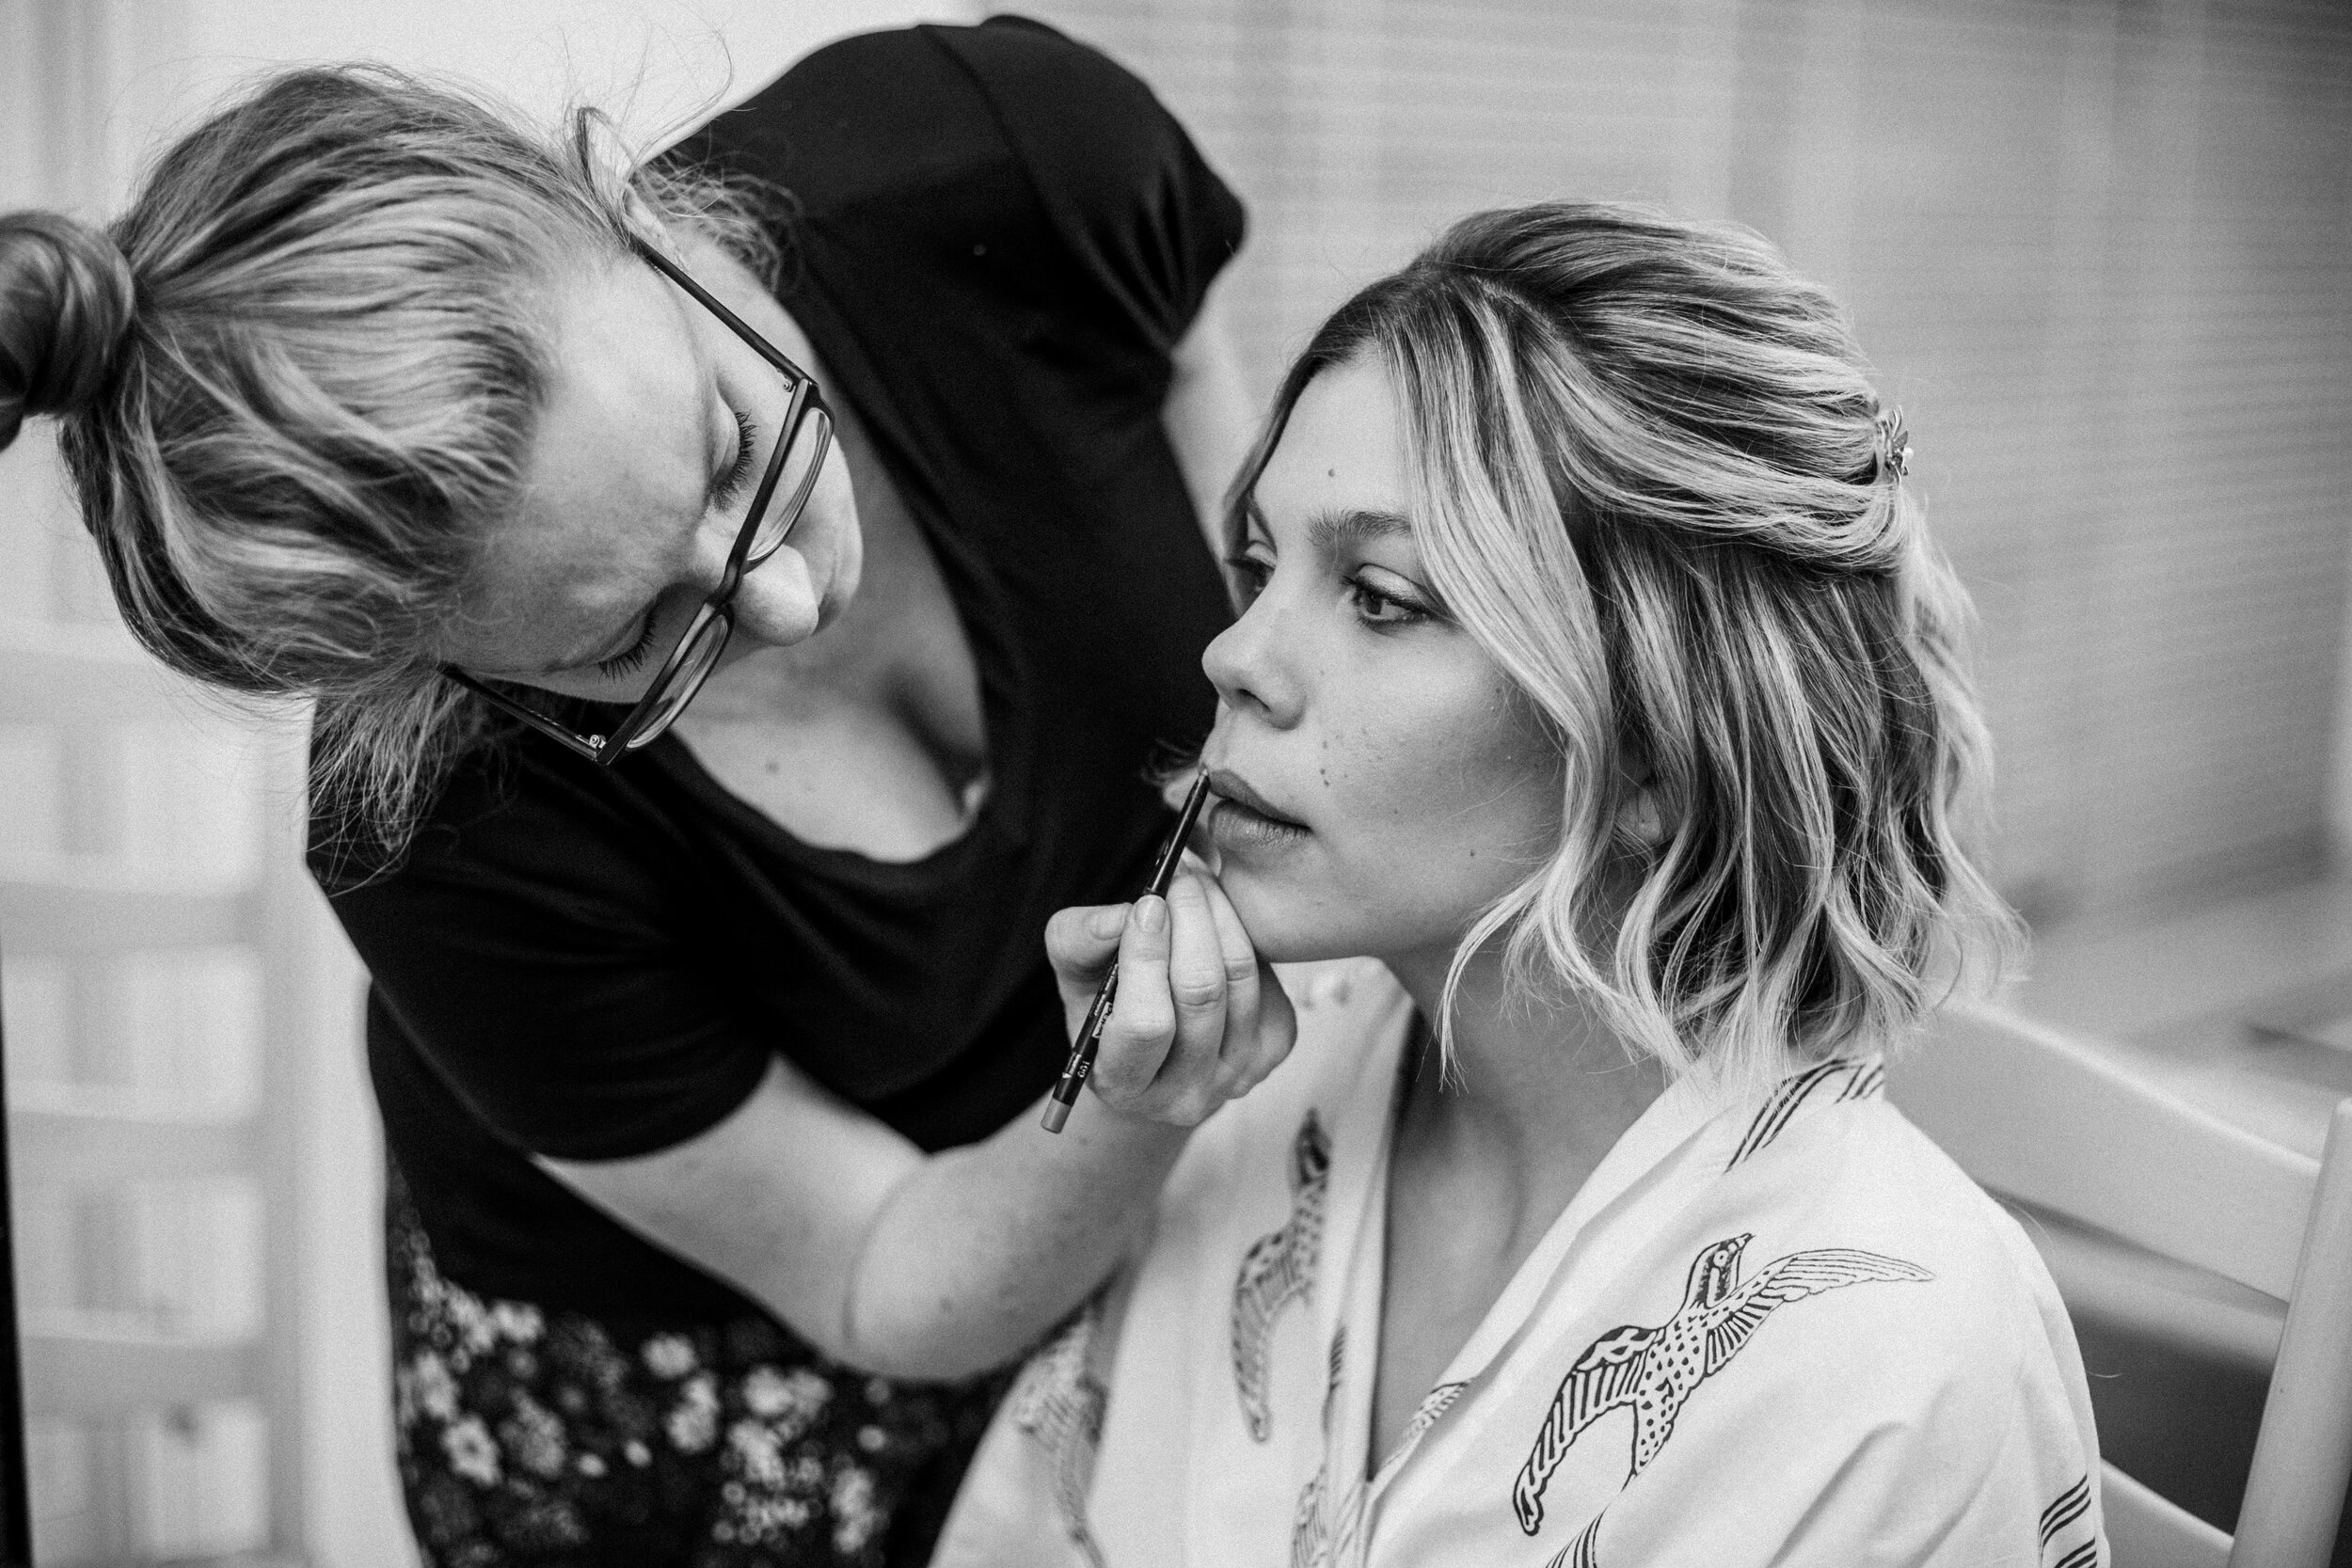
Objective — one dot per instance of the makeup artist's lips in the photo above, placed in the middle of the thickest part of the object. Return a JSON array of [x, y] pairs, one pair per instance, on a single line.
[[1244, 818]]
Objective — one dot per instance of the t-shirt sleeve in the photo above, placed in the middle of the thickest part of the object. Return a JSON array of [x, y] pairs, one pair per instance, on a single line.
[[553, 979], [1127, 193]]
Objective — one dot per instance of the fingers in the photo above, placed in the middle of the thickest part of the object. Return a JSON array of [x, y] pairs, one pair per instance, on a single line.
[[1192, 1071], [1259, 1027], [1159, 1054], [1196, 967], [1080, 943], [1142, 1024], [1198, 1018]]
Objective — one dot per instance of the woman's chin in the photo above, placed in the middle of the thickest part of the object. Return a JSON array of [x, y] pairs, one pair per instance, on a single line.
[[1284, 932]]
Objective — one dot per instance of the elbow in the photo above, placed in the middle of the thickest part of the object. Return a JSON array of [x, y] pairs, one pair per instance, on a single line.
[[934, 1338]]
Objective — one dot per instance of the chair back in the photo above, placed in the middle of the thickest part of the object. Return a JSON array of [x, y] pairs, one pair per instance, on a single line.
[[2058, 1122]]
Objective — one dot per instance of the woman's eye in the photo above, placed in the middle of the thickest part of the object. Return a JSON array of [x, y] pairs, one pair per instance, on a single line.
[[626, 663], [732, 485], [1250, 574], [1378, 607]]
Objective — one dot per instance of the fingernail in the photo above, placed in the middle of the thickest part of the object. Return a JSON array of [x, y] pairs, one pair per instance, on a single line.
[[1151, 915], [1107, 922]]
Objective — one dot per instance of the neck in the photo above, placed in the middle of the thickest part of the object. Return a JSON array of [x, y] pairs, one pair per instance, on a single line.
[[1539, 1090]]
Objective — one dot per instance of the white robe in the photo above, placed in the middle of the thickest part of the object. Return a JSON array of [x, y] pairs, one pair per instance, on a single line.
[[1782, 1332]]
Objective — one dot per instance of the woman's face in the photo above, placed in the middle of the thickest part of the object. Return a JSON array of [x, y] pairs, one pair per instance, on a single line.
[[1379, 784], [641, 470]]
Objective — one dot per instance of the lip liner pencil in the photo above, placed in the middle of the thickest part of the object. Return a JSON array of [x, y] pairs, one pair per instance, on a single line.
[[1074, 1074]]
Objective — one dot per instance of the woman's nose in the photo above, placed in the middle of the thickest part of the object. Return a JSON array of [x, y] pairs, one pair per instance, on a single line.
[[776, 603], [1247, 664]]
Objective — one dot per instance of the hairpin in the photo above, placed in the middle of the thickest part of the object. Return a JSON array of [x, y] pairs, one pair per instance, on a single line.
[[1894, 444]]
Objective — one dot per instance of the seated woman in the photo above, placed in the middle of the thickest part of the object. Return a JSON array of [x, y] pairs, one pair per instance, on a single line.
[[1597, 677]]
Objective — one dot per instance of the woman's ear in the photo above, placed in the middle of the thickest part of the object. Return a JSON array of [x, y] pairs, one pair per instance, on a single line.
[[1639, 819]]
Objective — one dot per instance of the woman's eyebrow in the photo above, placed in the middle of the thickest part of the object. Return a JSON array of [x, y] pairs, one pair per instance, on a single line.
[[1331, 531]]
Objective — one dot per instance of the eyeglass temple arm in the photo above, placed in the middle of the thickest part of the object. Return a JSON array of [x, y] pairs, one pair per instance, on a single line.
[[709, 301]]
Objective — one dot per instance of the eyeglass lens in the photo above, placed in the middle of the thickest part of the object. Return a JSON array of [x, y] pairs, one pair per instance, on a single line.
[[687, 674], [708, 637], [802, 464]]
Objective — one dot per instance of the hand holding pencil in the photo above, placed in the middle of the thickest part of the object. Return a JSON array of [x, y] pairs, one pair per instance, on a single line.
[[1171, 1012]]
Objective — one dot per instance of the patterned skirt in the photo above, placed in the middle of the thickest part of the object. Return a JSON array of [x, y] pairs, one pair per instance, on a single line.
[[559, 1440]]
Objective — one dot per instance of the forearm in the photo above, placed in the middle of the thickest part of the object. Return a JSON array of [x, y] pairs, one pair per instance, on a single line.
[[935, 1265], [978, 1251]]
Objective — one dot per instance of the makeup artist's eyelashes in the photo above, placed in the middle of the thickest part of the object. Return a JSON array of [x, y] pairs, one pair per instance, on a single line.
[[628, 664], [732, 485], [729, 488]]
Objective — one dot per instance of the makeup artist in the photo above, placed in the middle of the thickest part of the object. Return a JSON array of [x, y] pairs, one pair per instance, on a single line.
[[708, 1038]]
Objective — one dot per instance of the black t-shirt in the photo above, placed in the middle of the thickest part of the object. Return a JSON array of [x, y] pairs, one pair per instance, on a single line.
[[999, 237]]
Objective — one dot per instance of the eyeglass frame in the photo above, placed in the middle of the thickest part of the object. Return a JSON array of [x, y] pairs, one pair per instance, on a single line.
[[630, 735]]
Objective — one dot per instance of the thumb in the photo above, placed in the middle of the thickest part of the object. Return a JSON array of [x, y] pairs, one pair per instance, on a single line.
[[1081, 941]]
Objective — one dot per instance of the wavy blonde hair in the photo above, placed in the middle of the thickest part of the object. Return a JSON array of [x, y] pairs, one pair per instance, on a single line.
[[1651, 477], [298, 380]]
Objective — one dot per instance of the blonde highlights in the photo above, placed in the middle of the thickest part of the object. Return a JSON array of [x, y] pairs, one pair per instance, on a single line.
[[335, 352], [1651, 479]]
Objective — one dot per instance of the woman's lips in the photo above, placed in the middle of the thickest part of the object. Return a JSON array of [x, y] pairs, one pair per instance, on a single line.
[[1243, 819]]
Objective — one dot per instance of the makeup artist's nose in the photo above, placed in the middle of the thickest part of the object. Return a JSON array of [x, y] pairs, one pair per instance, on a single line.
[[1245, 664], [776, 603]]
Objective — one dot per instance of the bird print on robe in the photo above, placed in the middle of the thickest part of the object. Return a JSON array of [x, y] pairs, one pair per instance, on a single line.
[[1278, 1269], [2068, 1539], [1312, 1521], [1059, 1401], [1841, 1078], [1655, 1371]]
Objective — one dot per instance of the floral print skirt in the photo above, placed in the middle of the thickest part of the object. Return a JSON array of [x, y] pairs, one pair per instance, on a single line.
[[559, 1440]]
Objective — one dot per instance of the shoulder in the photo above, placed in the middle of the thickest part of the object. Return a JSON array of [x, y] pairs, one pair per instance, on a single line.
[[1027, 68], [1849, 1189], [1008, 50], [1008, 134], [1045, 95], [1112, 164], [1853, 1305]]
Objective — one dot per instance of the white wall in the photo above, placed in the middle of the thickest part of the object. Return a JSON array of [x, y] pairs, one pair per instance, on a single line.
[[658, 61], [2340, 797]]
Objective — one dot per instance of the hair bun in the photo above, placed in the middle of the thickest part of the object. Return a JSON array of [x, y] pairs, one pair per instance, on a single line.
[[65, 308]]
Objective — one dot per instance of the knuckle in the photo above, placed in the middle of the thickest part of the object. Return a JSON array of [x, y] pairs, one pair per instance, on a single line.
[[1147, 1023], [1113, 1083], [1195, 989]]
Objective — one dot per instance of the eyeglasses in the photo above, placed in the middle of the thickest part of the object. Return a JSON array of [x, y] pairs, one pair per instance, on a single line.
[[803, 439]]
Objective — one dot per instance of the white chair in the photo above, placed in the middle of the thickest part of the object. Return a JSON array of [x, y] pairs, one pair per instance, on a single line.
[[2050, 1120]]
